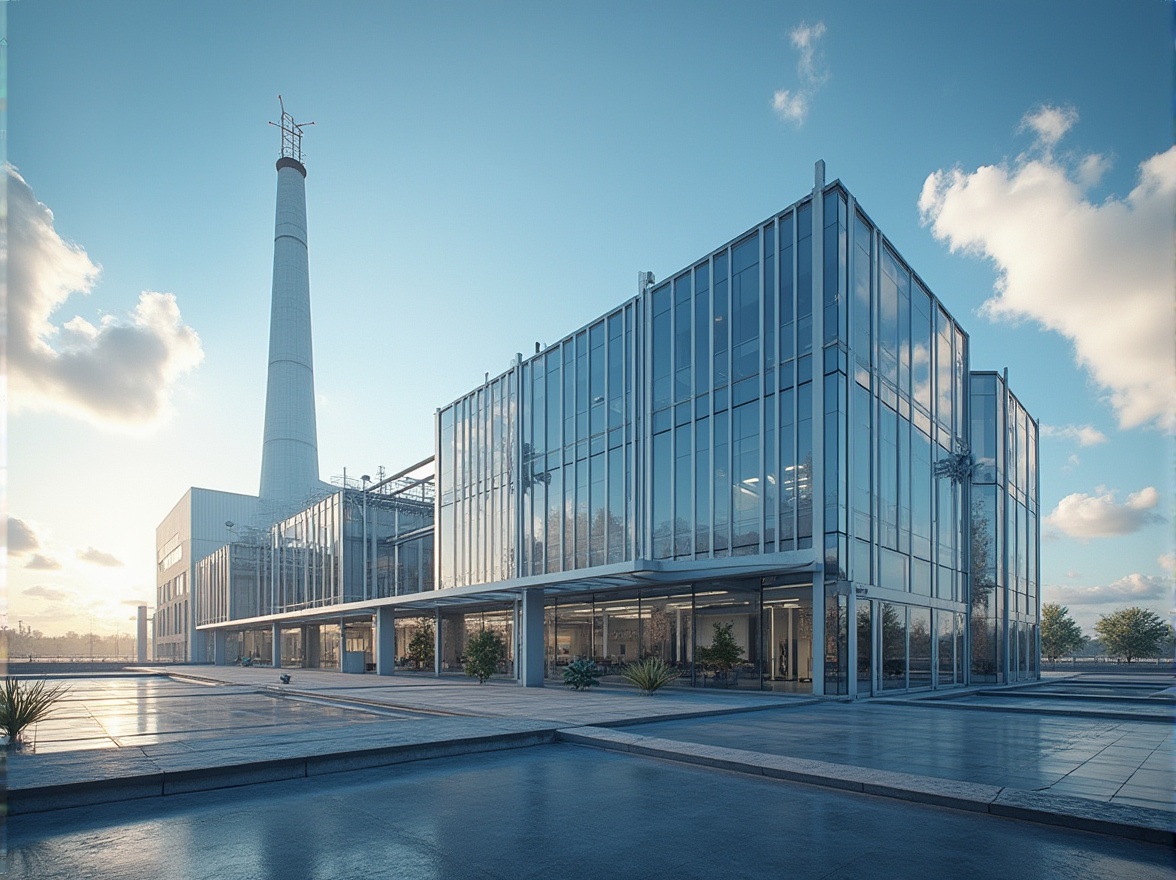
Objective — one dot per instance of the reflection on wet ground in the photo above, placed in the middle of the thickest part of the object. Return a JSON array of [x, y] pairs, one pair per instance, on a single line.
[[1091, 738], [554, 813], [128, 711], [1120, 760]]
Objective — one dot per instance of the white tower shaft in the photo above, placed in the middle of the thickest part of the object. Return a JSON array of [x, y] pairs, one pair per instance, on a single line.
[[289, 459]]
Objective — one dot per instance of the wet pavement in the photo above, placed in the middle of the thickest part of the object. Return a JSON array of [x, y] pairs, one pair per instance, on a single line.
[[556, 812], [133, 711], [1126, 762], [214, 729]]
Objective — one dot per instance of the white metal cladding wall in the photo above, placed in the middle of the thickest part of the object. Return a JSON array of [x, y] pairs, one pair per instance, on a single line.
[[289, 465], [208, 512]]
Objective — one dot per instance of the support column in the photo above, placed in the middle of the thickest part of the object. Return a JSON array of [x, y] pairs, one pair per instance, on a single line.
[[312, 654], [437, 643], [218, 647], [276, 651], [818, 641], [141, 634], [532, 660], [385, 640]]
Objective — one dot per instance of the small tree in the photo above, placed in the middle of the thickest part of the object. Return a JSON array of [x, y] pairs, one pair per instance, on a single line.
[[1132, 633], [482, 654], [422, 645], [723, 653], [1060, 633]]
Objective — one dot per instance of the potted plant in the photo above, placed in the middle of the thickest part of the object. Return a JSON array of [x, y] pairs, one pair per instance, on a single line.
[[723, 652]]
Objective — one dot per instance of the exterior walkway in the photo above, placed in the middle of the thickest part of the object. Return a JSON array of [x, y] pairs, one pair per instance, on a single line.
[[217, 727]]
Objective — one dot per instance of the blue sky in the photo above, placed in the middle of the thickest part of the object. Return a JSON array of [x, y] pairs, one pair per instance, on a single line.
[[485, 176]]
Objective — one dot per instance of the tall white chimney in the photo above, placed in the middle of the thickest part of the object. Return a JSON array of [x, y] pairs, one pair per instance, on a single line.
[[289, 457]]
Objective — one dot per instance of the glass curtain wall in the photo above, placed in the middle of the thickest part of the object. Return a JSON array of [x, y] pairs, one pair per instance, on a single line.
[[476, 452], [578, 449], [900, 529], [1005, 552], [415, 643], [350, 546], [721, 635]]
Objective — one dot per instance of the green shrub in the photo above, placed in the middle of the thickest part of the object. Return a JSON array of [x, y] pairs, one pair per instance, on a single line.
[[25, 704], [650, 674], [482, 654], [582, 674], [723, 653], [422, 644]]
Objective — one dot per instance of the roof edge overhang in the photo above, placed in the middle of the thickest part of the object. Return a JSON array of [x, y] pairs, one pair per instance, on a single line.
[[620, 576]]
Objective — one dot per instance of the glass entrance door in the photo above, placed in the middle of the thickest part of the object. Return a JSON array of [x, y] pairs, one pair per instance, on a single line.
[[865, 648], [788, 632]]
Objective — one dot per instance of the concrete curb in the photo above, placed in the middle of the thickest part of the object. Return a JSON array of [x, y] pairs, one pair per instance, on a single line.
[[36, 799], [1119, 820], [1043, 711], [705, 713]]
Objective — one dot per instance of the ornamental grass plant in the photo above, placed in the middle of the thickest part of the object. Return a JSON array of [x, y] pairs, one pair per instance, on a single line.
[[650, 674], [25, 704]]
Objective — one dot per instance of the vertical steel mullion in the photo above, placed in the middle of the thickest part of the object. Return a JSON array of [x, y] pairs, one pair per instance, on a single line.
[[647, 412], [730, 486], [672, 285], [850, 305], [710, 271], [763, 380], [608, 410], [796, 383], [692, 461], [817, 244], [1004, 531], [876, 412]]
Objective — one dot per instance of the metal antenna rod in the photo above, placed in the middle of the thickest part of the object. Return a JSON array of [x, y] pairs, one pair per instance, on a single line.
[[291, 133]]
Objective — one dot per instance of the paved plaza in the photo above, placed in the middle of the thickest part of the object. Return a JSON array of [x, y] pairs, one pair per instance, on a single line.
[[224, 760]]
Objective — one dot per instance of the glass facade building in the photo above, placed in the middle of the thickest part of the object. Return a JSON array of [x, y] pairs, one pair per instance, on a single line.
[[353, 546], [782, 442]]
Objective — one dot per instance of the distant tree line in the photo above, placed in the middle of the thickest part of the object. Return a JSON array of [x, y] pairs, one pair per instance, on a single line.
[[24, 642], [1129, 633]]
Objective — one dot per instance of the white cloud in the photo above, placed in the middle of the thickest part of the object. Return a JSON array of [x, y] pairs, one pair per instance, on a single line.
[[792, 105], [1092, 168], [1102, 275], [1083, 435], [810, 66], [1099, 516], [793, 108], [98, 557], [1133, 588], [42, 592], [21, 537], [40, 562], [1168, 563], [119, 371], [1049, 124]]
